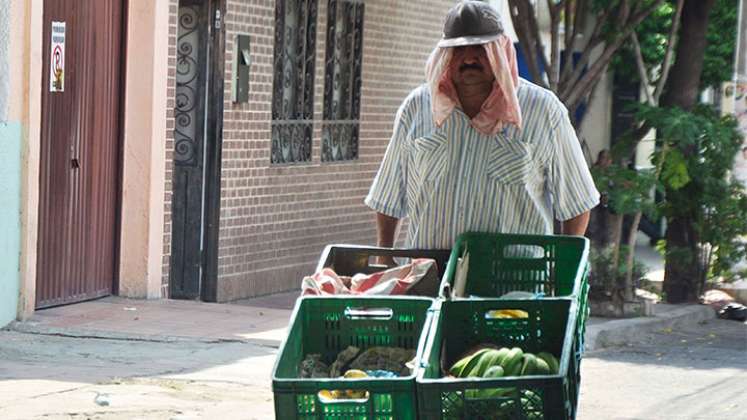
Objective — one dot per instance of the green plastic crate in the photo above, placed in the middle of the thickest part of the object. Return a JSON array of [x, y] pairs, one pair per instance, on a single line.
[[461, 324], [583, 309], [554, 265], [328, 325]]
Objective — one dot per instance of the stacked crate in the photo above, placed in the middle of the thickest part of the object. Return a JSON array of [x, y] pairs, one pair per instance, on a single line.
[[553, 268]]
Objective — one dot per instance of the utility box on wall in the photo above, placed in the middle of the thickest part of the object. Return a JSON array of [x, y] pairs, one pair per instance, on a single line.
[[241, 63]]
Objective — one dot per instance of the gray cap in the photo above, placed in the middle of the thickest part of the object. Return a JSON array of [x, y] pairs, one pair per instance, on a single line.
[[471, 23]]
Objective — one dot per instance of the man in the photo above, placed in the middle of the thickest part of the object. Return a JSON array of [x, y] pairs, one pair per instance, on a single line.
[[477, 148]]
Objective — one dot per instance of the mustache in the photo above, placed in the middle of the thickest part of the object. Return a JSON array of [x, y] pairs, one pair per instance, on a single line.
[[470, 66]]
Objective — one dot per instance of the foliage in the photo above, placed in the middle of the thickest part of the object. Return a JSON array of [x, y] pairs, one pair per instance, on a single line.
[[718, 64], [652, 34], [587, 25], [628, 191], [674, 170], [697, 151], [606, 279]]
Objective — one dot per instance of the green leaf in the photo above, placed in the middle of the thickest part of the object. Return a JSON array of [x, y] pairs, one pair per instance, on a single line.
[[674, 173]]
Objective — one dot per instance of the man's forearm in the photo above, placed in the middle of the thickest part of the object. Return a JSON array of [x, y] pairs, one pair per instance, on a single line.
[[386, 227], [576, 225]]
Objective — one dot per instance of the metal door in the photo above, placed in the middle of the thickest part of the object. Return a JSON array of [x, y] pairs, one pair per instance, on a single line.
[[199, 70], [78, 198]]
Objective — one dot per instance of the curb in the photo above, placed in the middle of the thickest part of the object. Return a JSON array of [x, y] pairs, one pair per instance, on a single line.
[[623, 331], [32, 328]]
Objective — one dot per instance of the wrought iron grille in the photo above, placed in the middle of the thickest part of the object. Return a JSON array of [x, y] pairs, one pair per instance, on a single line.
[[293, 82], [342, 80], [187, 101]]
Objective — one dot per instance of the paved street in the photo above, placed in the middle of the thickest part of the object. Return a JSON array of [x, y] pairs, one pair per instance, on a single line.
[[698, 372], [55, 378], [691, 373]]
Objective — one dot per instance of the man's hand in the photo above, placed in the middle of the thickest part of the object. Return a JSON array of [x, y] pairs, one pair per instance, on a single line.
[[386, 229], [576, 225]]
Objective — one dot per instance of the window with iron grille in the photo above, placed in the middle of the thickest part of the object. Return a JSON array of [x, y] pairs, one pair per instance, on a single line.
[[293, 81], [342, 80]]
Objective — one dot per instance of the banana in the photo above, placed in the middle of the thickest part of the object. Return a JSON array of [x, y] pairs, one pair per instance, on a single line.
[[355, 393], [518, 313], [529, 365], [507, 313], [502, 353], [355, 373], [493, 372], [541, 367], [530, 406], [473, 361], [498, 393], [326, 394], [512, 363], [551, 361], [456, 369], [486, 361]]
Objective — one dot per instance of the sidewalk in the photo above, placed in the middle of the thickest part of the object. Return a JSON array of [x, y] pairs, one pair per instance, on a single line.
[[611, 332], [263, 321]]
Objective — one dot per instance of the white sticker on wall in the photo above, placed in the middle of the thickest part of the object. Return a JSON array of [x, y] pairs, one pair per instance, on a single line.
[[57, 58]]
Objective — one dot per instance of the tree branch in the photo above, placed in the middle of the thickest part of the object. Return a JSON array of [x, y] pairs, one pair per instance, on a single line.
[[667, 63], [540, 46], [579, 21], [580, 88], [642, 72], [569, 78], [554, 44], [623, 12], [520, 9], [568, 21], [629, 287]]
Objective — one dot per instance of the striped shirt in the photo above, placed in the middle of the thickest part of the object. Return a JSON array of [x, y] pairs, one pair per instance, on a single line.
[[454, 179]]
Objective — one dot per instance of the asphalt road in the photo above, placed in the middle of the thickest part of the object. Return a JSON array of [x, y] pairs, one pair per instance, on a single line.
[[696, 373], [699, 372]]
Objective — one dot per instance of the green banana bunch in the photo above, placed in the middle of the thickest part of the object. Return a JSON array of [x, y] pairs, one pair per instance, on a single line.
[[492, 363], [514, 362]]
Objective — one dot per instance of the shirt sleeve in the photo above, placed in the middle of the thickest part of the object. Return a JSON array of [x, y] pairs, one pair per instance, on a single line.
[[388, 191], [569, 179]]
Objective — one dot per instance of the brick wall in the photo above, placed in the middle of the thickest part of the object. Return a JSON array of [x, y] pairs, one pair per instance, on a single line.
[[171, 92], [275, 220]]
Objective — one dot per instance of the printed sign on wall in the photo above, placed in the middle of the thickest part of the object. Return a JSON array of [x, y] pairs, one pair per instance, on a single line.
[[57, 61]]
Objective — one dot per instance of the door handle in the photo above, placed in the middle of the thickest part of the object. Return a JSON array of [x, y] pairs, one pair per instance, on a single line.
[[75, 164]]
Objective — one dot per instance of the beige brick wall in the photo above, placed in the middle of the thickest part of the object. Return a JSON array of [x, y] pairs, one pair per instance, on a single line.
[[275, 220], [171, 92]]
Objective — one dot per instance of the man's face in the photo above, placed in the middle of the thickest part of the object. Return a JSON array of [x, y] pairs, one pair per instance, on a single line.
[[470, 66]]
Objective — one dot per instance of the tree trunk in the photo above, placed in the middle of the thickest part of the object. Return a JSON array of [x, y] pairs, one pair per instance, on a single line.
[[682, 91], [615, 235], [684, 80], [629, 288], [598, 231], [682, 268]]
